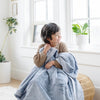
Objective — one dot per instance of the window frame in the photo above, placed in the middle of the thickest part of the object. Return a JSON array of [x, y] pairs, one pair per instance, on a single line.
[[71, 45], [55, 12]]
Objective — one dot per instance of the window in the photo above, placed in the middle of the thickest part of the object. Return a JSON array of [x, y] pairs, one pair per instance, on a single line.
[[88, 11], [39, 12], [42, 13]]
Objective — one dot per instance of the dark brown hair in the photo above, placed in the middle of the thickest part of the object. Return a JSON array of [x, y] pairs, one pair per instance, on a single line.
[[48, 30]]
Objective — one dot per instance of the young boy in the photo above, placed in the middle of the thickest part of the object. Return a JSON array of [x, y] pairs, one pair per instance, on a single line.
[[51, 36]]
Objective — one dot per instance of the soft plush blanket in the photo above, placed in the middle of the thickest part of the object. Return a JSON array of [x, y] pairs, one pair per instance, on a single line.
[[53, 83]]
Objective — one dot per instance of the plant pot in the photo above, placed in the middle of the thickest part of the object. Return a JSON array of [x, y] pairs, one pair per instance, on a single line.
[[5, 71], [82, 41]]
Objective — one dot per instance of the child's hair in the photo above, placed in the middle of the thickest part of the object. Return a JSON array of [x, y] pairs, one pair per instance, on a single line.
[[48, 30]]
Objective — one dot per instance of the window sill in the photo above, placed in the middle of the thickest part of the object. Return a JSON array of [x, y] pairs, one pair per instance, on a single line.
[[73, 48], [89, 49]]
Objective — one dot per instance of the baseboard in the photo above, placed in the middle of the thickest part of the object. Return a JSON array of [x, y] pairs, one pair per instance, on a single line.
[[97, 93]]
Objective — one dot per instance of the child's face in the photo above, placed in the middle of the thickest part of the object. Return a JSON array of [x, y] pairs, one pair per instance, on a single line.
[[55, 39]]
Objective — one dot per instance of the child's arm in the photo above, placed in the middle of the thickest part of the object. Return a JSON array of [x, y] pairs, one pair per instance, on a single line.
[[51, 63], [62, 48], [40, 58]]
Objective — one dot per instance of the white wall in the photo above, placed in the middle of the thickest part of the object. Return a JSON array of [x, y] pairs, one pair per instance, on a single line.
[[21, 65], [4, 12], [89, 64], [22, 56]]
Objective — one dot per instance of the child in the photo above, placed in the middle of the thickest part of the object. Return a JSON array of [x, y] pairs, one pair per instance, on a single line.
[[51, 36], [55, 75]]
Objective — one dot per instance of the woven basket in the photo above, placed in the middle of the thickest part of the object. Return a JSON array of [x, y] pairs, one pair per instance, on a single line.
[[87, 85]]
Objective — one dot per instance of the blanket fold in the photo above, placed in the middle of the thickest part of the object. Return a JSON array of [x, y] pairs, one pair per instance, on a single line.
[[53, 83]]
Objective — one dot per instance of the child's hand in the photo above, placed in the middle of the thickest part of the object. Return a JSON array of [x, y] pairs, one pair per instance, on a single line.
[[46, 48], [49, 64]]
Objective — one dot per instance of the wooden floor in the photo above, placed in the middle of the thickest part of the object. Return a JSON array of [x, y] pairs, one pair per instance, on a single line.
[[13, 83]]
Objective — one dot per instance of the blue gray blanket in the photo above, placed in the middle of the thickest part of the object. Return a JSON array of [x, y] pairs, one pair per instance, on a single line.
[[53, 83]]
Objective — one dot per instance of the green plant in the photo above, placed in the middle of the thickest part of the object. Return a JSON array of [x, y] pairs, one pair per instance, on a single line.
[[11, 23], [2, 57], [80, 29]]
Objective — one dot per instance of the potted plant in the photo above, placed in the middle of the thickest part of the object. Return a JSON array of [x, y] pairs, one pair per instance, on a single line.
[[81, 34], [5, 65]]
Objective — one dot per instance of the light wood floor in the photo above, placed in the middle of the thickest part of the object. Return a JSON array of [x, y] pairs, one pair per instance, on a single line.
[[13, 83]]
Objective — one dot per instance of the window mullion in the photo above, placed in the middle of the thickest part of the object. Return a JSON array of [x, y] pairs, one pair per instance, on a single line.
[[46, 10], [89, 18]]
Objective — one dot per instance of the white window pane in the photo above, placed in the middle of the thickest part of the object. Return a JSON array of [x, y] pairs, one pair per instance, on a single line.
[[40, 10], [95, 32], [37, 33], [80, 22], [80, 9], [50, 10], [94, 8]]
